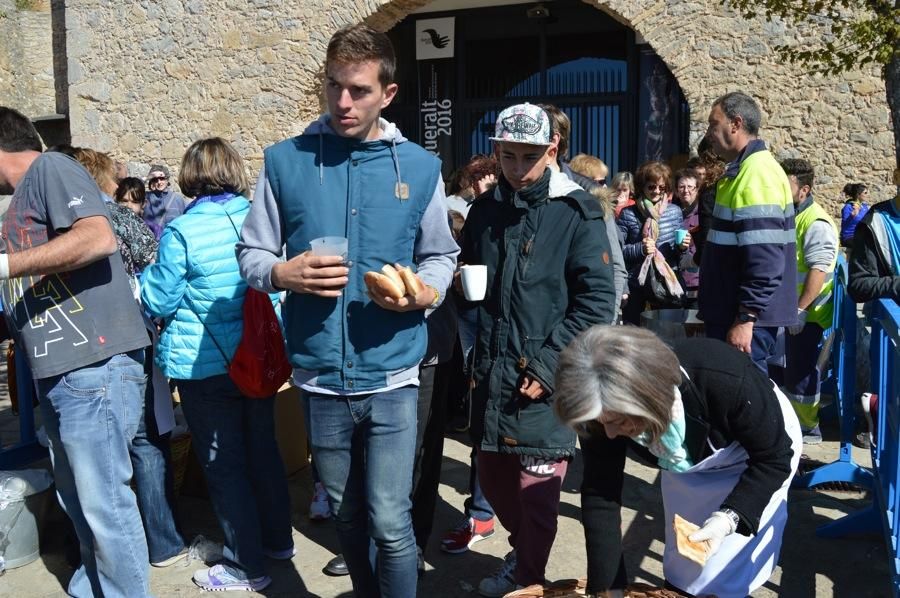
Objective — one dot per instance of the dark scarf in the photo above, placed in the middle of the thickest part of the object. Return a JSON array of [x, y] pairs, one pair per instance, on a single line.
[[688, 211], [532, 194]]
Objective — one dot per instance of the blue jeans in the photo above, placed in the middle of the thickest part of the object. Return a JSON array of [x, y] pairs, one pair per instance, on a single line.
[[762, 347], [477, 505], [363, 447], [91, 416], [154, 485], [234, 440]]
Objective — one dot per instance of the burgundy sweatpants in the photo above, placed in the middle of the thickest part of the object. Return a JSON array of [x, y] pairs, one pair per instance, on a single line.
[[524, 492]]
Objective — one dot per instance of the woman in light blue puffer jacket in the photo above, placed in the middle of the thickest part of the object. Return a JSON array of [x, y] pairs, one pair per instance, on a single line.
[[195, 286]]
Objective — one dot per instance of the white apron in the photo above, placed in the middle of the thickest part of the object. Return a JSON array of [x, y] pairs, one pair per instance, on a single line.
[[742, 563]]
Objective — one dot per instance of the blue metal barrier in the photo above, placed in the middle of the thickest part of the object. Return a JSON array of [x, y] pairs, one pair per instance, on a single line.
[[27, 449], [884, 513], [840, 381], [886, 448]]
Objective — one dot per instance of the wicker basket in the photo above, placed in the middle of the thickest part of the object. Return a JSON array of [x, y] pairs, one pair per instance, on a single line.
[[180, 448]]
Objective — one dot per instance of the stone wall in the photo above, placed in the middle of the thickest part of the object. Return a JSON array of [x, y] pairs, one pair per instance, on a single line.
[[26, 58], [149, 77], [841, 124]]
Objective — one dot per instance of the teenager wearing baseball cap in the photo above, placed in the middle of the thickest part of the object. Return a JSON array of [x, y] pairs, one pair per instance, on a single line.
[[549, 277]]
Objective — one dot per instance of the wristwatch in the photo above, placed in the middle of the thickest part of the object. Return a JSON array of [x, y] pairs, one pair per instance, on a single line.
[[744, 316], [735, 518]]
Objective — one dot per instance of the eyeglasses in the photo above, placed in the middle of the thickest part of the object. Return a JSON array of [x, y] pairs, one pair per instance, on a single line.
[[652, 187], [601, 182], [158, 178]]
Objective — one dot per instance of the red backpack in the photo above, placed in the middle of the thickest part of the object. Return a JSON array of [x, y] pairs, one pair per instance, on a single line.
[[259, 366]]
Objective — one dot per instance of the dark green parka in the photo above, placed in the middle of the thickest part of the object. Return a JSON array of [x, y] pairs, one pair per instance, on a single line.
[[549, 277]]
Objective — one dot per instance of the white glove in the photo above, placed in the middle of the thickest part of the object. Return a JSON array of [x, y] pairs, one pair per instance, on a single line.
[[801, 322], [714, 530]]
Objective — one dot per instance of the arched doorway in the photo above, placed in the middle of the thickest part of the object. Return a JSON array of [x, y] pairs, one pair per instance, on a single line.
[[458, 68]]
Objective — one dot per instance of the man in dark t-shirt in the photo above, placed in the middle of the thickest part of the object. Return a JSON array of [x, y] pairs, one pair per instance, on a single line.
[[69, 306]]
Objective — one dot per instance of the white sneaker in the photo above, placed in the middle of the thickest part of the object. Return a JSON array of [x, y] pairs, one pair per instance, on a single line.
[[501, 582], [319, 508]]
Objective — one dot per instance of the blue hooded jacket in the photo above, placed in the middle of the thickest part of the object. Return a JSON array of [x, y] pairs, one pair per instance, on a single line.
[[386, 197]]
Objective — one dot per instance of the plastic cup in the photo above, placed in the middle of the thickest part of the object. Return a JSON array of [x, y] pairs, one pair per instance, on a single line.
[[680, 235], [329, 246], [474, 282]]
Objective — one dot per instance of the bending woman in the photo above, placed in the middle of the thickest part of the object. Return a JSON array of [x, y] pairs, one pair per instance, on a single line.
[[727, 441]]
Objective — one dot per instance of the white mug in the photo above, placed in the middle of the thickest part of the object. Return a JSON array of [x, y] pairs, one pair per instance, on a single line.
[[474, 281]]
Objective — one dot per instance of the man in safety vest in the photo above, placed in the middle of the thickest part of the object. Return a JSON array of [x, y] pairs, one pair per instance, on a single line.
[[748, 289], [817, 245]]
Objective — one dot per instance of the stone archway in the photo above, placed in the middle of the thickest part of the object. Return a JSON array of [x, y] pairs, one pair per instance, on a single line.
[[250, 72], [625, 105], [649, 19], [712, 50]]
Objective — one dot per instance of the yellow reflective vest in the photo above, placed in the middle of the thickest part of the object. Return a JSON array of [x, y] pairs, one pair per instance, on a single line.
[[821, 309]]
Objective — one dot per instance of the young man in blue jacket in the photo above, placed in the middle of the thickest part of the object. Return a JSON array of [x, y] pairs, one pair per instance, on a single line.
[[355, 354]]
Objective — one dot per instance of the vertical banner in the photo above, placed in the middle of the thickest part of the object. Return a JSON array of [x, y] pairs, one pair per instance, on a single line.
[[434, 53], [658, 111]]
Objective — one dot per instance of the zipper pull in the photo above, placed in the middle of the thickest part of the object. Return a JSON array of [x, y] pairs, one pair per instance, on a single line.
[[528, 245]]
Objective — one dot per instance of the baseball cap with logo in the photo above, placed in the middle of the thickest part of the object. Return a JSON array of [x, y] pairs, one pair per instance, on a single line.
[[523, 123]]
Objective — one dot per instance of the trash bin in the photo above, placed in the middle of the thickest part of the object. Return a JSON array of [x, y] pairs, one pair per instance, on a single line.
[[24, 498], [673, 324]]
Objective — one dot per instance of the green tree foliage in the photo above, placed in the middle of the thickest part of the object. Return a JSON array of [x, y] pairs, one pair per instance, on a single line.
[[859, 33], [862, 31]]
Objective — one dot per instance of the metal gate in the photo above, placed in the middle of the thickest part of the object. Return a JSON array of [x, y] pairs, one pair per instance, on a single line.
[[572, 55]]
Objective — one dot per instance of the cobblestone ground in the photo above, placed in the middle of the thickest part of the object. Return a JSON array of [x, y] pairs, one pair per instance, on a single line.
[[810, 566]]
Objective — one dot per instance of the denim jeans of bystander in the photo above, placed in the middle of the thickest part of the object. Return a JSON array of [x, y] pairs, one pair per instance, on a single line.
[[364, 447], [234, 440], [91, 416], [154, 486]]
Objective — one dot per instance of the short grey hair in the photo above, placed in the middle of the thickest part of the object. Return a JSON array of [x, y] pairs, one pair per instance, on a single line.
[[616, 369], [622, 178], [738, 103]]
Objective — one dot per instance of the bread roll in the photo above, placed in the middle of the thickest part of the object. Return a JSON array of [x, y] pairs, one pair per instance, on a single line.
[[391, 272], [412, 283], [384, 286]]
